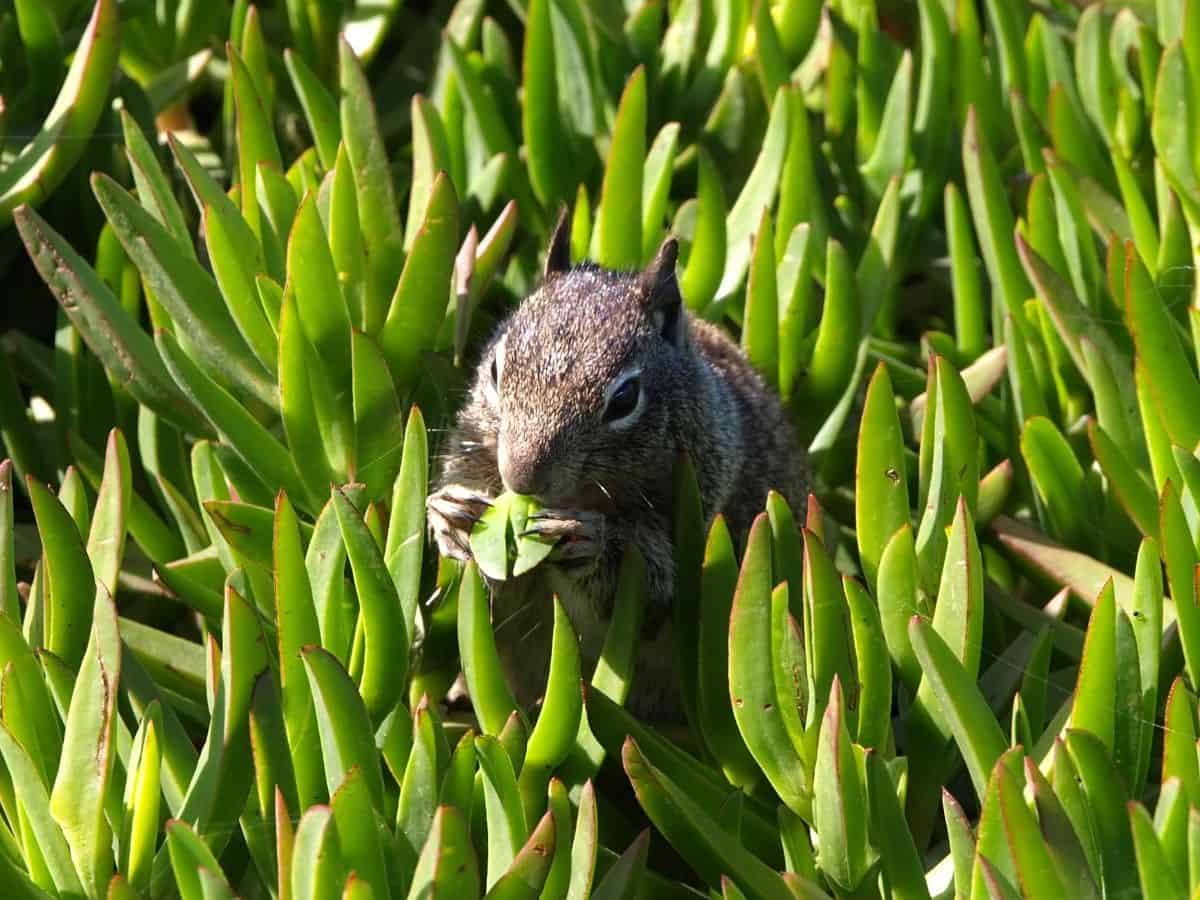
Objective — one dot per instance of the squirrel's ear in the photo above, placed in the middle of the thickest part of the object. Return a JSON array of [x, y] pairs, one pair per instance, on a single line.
[[662, 292], [558, 256]]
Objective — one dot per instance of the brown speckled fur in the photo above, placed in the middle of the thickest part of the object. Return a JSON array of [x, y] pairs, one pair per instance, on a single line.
[[562, 348]]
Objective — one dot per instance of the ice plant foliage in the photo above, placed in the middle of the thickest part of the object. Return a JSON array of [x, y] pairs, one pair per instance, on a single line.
[[962, 246]]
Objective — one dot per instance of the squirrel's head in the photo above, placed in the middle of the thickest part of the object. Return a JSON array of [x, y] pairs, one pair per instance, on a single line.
[[582, 378]]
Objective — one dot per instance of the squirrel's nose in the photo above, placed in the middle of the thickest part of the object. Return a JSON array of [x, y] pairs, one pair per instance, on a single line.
[[522, 472]]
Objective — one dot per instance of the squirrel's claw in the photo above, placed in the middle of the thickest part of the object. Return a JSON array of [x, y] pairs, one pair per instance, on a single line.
[[579, 534], [452, 513]]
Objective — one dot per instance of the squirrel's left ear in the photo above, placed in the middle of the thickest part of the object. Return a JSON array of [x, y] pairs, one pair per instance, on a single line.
[[558, 256], [662, 293]]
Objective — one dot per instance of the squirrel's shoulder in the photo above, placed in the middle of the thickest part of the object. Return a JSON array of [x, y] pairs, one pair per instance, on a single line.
[[716, 347], [771, 455]]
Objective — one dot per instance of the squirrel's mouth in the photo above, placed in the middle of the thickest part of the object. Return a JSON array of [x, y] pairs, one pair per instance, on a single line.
[[579, 492]]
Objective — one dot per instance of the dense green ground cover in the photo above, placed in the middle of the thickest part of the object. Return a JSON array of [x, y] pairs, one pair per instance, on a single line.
[[959, 237]]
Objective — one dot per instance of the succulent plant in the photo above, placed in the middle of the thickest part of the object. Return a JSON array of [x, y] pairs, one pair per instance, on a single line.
[[963, 251]]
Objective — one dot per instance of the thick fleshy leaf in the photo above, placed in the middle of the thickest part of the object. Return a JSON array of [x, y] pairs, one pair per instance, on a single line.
[[188, 294], [618, 232], [1172, 382], [1106, 799], [897, 853], [752, 676], [406, 526], [385, 650], [45, 160], [320, 109], [702, 275], [1156, 875], [126, 351], [69, 584], [959, 700], [898, 596], [253, 443], [447, 864], [313, 277], [419, 785], [557, 724], [377, 209], [833, 357], [419, 303], [297, 627], [691, 830], [1093, 709], [717, 721], [486, 683], [318, 869], [543, 128], [89, 749], [758, 192], [881, 485], [32, 793], [758, 821], [527, 873], [760, 326], [840, 813], [506, 826], [993, 216], [360, 833], [873, 667], [347, 739]]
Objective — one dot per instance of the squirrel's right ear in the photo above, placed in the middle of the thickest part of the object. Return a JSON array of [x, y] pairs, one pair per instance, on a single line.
[[662, 293], [558, 257]]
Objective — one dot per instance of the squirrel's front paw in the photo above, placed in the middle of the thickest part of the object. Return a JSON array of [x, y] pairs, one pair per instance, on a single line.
[[452, 513], [579, 534]]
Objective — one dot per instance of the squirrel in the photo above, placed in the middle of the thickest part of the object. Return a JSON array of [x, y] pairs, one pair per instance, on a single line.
[[584, 398]]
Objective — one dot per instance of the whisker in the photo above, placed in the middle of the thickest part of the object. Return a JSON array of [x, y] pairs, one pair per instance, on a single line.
[[603, 489]]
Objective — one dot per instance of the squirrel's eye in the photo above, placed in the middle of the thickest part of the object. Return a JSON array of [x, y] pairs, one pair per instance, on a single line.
[[624, 400]]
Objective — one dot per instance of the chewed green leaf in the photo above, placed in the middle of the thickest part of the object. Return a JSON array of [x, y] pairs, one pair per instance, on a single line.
[[531, 547], [489, 538]]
